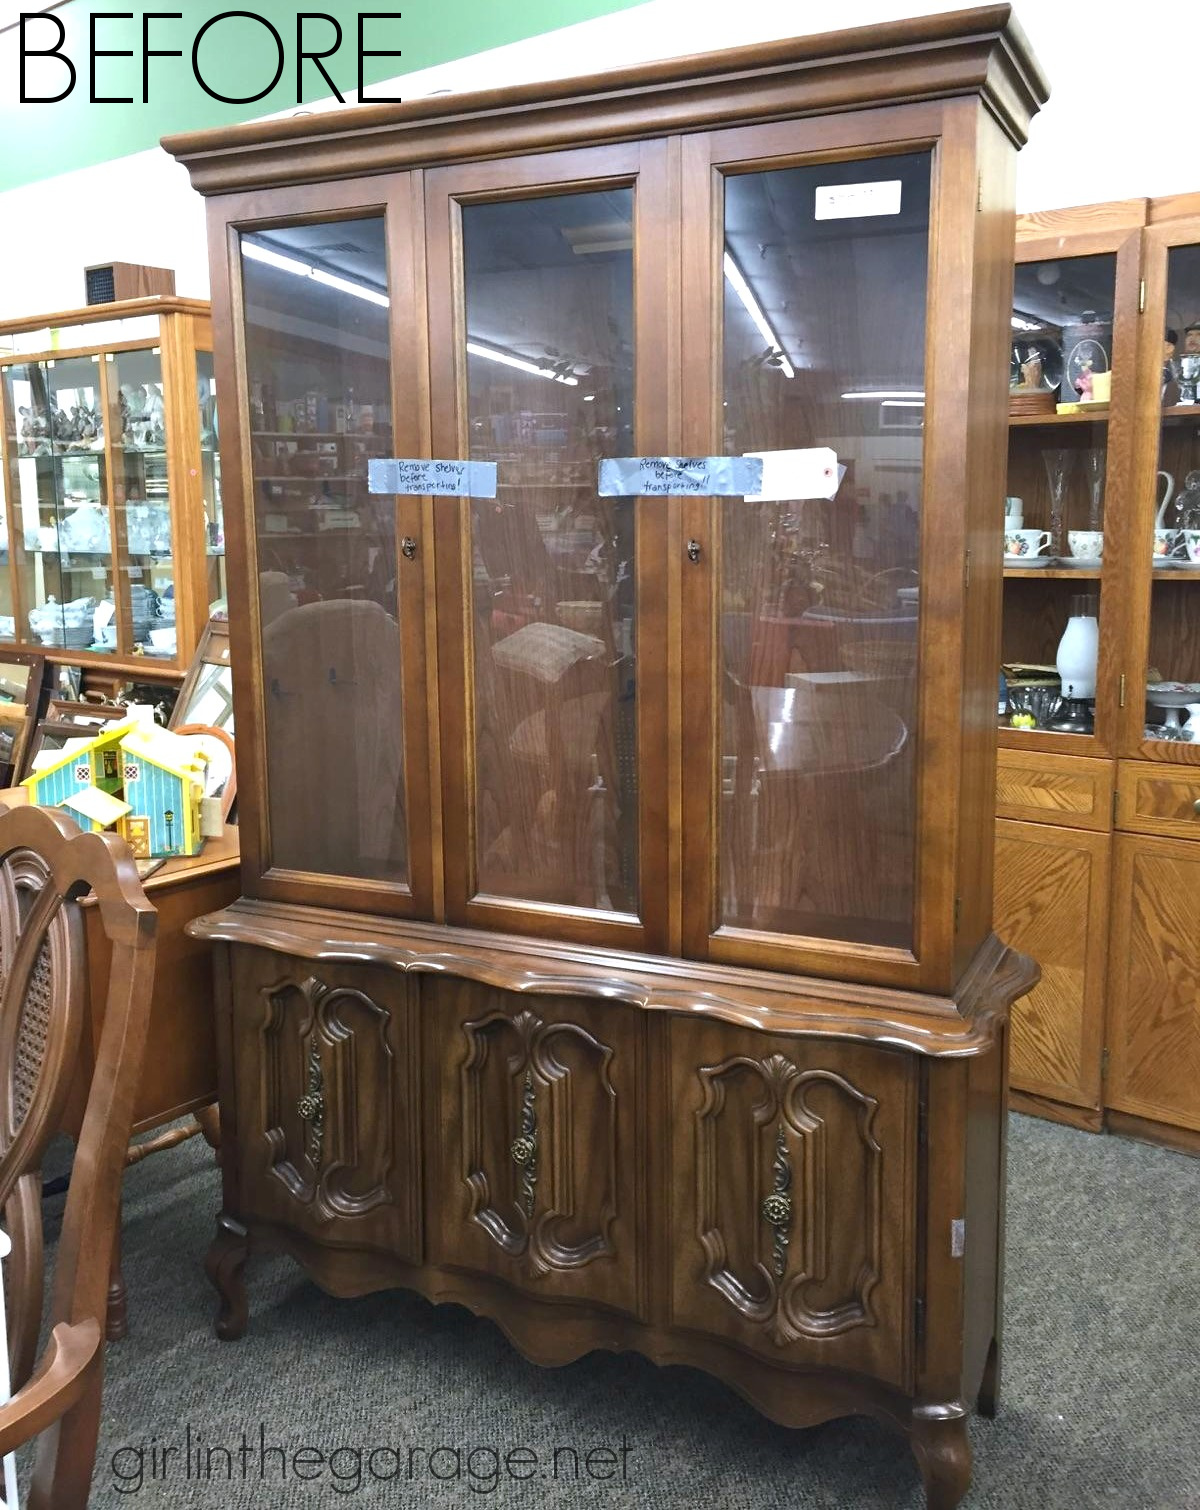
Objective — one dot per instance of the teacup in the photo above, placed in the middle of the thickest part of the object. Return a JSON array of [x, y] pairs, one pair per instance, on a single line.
[[1025, 542], [1191, 540], [1086, 542], [1165, 542]]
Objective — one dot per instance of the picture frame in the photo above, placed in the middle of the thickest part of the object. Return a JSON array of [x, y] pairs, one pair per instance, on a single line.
[[14, 735], [206, 696], [22, 681], [85, 715]]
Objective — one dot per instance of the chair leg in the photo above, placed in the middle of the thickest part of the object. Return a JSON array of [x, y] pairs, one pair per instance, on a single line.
[[117, 1321]]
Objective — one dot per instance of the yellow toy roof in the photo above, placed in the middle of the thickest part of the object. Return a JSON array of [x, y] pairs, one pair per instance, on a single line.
[[112, 734], [168, 751], [99, 806]]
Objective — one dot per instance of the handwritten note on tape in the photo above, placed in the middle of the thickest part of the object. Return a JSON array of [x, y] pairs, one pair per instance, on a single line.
[[679, 476], [462, 479]]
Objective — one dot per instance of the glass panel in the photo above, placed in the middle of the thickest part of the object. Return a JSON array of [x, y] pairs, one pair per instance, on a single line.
[[145, 616], [210, 462], [824, 346], [58, 490], [1060, 377], [90, 333], [549, 333], [1173, 653], [319, 380]]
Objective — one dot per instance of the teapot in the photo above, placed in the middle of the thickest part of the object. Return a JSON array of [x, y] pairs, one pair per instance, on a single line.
[[1160, 517]]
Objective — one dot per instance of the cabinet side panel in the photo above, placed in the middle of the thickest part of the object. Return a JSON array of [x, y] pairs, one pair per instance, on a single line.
[[985, 454]]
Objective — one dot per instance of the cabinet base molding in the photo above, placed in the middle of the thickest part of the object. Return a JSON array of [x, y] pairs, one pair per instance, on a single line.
[[792, 1184], [1085, 1118], [1164, 1134]]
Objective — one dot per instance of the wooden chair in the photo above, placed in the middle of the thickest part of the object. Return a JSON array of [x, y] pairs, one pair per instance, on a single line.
[[46, 864]]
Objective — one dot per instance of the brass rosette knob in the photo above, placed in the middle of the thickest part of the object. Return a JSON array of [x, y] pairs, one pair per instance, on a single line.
[[777, 1209], [522, 1150]]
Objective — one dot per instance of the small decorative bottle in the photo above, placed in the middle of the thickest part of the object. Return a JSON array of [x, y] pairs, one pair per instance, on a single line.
[[1078, 651]]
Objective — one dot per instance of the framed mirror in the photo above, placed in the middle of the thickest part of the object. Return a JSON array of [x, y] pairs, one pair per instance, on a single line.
[[22, 678], [206, 696]]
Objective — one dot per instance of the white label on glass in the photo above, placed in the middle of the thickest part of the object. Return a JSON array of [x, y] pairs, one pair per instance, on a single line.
[[847, 201], [417, 477], [788, 475], [679, 476]]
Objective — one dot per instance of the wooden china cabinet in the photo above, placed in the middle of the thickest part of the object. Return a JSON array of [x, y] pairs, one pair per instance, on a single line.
[[615, 955], [112, 542], [1098, 829]]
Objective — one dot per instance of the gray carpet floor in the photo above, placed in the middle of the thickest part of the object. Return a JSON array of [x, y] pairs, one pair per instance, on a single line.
[[1099, 1407]]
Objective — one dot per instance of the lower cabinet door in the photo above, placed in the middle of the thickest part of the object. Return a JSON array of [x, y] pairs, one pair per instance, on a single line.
[[326, 1100], [537, 1109], [795, 1196], [1051, 902], [1153, 1020]]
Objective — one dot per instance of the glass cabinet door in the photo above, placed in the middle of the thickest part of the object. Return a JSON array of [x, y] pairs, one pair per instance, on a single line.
[[1166, 616], [143, 612], [1064, 485], [554, 376], [331, 581], [59, 502], [823, 347]]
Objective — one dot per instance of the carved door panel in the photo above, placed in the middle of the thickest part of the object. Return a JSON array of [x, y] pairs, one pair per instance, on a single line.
[[326, 1100], [538, 1112], [793, 1228]]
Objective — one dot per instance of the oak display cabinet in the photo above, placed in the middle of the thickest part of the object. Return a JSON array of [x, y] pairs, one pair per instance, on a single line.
[[616, 955], [112, 545], [1097, 828]]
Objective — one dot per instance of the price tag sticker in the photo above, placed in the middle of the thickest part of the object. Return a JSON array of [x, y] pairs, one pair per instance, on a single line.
[[813, 472], [419, 478]]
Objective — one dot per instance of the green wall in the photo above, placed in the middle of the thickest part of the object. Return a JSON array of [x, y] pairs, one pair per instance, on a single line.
[[237, 58]]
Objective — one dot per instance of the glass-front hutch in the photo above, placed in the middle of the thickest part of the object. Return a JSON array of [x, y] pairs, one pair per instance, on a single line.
[[611, 481], [113, 534]]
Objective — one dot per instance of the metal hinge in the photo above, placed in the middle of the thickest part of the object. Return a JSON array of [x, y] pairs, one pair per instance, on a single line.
[[1104, 1064], [967, 570], [979, 191], [1142, 297], [1115, 801], [1121, 692], [958, 1237]]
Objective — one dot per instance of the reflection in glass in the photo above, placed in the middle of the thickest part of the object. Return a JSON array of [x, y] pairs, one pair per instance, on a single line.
[[549, 339], [824, 346], [210, 464], [1173, 555], [319, 380]]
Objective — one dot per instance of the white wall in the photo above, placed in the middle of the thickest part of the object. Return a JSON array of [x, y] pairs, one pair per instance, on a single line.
[[1120, 123]]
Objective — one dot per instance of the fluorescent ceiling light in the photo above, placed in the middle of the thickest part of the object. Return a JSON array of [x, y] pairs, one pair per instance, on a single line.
[[754, 310], [1019, 322], [509, 359], [259, 253], [903, 403], [888, 393]]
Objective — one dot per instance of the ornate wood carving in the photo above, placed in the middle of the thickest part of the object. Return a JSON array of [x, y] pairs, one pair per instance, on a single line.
[[332, 1042], [813, 1285], [540, 1142]]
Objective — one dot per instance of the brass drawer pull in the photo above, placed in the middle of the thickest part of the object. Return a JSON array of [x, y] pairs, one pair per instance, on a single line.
[[524, 1147], [777, 1207], [1196, 807], [311, 1106]]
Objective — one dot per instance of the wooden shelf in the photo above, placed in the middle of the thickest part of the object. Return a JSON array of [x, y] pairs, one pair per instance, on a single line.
[[1182, 411], [1055, 573], [1088, 417]]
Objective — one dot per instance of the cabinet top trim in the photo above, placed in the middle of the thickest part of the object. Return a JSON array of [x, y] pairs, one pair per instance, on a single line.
[[941, 1026], [119, 309], [980, 52]]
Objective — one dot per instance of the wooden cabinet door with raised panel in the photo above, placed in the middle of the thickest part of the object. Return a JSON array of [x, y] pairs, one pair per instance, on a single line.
[[793, 1229], [326, 1100], [1154, 1000], [537, 1110], [1052, 903]]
